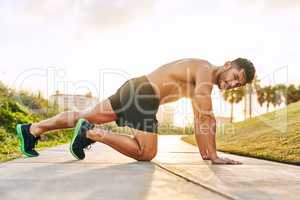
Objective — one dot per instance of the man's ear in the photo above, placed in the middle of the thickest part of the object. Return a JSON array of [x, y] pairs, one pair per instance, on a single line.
[[227, 65]]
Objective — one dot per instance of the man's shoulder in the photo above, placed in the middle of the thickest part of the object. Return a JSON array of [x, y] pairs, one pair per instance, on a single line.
[[204, 76], [201, 65], [198, 61], [202, 69]]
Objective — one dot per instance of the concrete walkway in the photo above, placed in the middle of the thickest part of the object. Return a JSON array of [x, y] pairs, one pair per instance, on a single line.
[[176, 173], [255, 179]]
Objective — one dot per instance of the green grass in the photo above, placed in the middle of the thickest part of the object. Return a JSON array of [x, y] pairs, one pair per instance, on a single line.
[[272, 136], [10, 146]]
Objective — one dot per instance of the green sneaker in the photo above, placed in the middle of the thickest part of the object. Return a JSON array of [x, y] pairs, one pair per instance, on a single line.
[[79, 140], [27, 141]]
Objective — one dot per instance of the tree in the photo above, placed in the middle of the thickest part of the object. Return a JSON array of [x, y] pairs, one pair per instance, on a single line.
[[280, 94], [261, 97], [249, 91], [269, 96], [254, 86], [89, 95], [36, 103], [292, 94], [233, 96]]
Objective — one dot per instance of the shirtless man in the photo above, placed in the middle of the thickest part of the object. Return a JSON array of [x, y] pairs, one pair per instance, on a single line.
[[135, 105]]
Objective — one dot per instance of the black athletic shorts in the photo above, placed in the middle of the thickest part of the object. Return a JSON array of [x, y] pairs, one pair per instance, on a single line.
[[136, 105]]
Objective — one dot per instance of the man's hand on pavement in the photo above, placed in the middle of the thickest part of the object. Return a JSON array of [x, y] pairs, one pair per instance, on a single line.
[[225, 161]]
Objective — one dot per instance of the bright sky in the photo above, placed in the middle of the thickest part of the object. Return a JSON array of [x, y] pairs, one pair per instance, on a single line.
[[73, 45]]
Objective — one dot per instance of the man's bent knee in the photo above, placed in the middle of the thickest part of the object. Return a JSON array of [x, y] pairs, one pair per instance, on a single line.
[[147, 155], [147, 145]]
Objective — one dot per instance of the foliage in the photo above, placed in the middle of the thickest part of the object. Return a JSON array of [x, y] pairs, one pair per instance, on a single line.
[[292, 94], [23, 107], [269, 95], [277, 94], [36, 103]]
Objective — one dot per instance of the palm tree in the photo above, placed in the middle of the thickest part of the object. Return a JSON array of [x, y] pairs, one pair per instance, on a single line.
[[254, 86], [247, 90], [233, 96], [293, 94], [269, 96], [261, 96], [276, 96], [281, 94], [298, 92], [240, 93], [250, 88]]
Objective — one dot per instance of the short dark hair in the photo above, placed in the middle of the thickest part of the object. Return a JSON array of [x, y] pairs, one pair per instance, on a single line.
[[248, 67]]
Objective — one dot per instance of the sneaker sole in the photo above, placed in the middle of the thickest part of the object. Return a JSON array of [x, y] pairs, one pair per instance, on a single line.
[[21, 141], [75, 133]]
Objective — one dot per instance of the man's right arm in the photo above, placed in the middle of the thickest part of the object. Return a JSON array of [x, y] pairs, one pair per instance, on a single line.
[[202, 108], [200, 138], [205, 119]]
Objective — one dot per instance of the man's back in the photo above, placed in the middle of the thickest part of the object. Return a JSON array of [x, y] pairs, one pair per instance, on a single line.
[[175, 80]]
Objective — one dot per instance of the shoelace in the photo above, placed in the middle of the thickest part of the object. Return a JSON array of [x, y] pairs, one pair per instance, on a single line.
[[86, 129], [36, 140], [88, 147]]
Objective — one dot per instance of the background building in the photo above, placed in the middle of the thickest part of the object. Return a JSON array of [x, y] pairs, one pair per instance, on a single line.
[[73, 102]]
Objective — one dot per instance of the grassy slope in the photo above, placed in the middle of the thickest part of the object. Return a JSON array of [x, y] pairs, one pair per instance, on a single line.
[[272, 136]]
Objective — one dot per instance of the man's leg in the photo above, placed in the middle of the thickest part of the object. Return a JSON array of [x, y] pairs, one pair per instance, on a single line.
[[142, 146], [101, 113]]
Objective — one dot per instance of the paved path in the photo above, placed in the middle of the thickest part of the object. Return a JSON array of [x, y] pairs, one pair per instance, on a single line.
[[176, 173], [255, 179]]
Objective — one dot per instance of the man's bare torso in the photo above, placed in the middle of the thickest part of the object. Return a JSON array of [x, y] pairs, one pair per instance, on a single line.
[[175, 80]]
